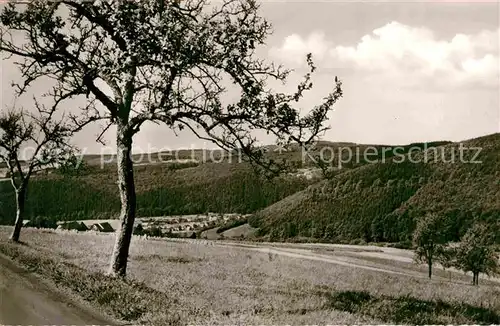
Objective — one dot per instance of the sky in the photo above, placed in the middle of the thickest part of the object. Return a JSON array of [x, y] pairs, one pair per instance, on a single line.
[[412, 71]]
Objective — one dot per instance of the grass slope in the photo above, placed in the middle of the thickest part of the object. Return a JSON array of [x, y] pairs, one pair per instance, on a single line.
[[177, 283], [382, 201]]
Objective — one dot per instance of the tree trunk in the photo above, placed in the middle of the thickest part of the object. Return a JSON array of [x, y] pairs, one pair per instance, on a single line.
[[475, 278], [20, 202], [126, 187], [429, 263]]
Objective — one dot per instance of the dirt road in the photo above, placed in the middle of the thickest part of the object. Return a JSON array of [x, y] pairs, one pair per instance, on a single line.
[[24, 300], [357, 258], [345, 255]]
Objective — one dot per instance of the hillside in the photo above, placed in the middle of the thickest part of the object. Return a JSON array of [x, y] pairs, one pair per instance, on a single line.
[[186, 184], [383, 201], [161, 190]]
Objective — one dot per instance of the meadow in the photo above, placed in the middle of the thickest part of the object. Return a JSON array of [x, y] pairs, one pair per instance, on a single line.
[[204, 282]]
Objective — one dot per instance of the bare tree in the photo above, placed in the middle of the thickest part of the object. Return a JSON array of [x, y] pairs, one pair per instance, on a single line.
[[167, 62], [29, 143]]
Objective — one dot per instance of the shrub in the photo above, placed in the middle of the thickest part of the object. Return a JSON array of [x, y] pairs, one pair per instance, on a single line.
[[139, 230], [403, 245], [154, 231]]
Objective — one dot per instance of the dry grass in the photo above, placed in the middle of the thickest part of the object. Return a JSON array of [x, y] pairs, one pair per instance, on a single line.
[[210, 284]]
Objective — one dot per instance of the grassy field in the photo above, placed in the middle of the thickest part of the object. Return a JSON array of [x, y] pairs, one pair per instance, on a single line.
[[173, 282]]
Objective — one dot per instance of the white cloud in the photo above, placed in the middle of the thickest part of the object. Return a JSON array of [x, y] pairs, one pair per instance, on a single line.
[[414, 55], [294, 48]]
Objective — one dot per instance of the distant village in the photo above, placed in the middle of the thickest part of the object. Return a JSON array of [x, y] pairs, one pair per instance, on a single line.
[[164, 226]]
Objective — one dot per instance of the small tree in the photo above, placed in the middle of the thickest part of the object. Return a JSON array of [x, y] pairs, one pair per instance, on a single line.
[[73, 166], [476, 253], [139, 230], [429, 239], [29, 143], [327, 170]]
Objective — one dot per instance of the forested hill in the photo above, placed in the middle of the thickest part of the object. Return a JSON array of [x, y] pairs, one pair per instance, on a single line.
[[383, 201], [170, 189], [196, 188]]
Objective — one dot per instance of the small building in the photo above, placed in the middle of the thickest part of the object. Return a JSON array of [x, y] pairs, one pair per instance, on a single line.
[[73, 225], [102, 227]]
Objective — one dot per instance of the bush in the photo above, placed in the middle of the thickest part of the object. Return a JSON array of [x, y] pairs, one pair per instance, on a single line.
[[403, 245], [139, 230], [43, 223], [73, 166], [153, 232], [358, 242]]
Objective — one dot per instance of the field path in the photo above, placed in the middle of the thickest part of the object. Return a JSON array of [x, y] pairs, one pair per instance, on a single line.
[[303, 251], [397, 255], [357, 255], [24, 300], [325, 258]]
